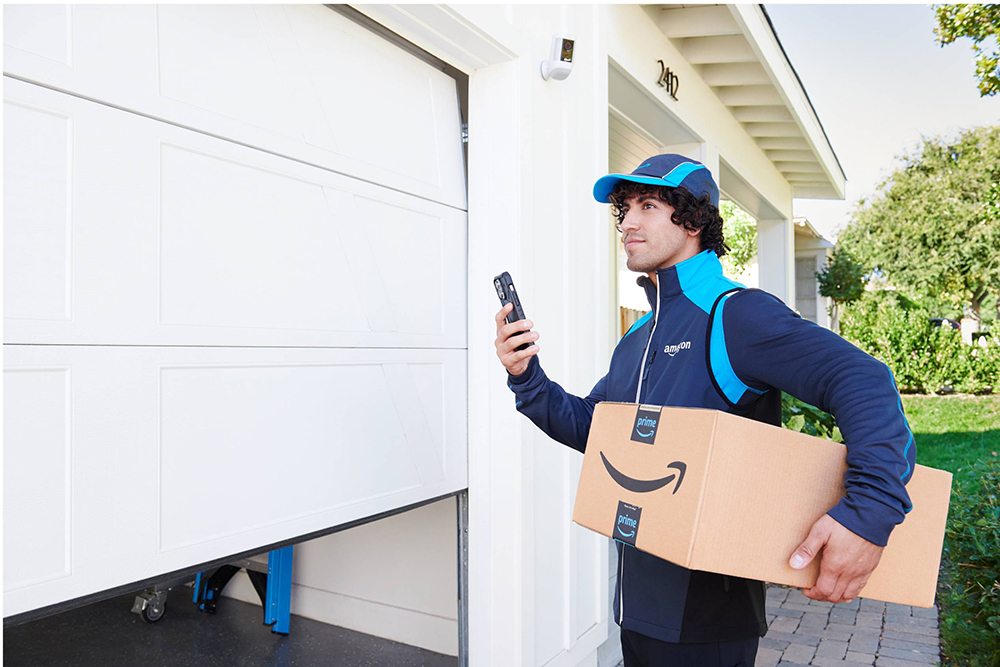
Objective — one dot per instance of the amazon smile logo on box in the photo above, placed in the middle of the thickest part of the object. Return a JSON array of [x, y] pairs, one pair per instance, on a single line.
[[645, 485]]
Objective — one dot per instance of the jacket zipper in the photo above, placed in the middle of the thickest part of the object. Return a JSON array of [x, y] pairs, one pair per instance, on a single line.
[[643, 372], [649, 364], [642, 367], [621, 587]]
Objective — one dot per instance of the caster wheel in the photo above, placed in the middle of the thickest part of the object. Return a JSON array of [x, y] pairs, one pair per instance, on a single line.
[[153, 612]]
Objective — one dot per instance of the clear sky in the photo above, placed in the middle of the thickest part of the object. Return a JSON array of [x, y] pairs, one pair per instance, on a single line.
[[879, 81]]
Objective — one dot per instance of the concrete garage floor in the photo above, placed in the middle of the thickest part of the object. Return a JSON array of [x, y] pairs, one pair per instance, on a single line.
[[108, 634]]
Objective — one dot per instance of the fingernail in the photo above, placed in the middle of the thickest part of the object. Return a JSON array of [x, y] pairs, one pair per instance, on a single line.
[[797, 561]]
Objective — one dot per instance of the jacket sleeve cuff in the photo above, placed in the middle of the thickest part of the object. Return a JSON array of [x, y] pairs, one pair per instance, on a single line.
[[875, 524], [531, 373]]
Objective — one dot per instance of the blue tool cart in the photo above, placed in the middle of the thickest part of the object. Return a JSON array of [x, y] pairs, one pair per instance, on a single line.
[[272, 582]]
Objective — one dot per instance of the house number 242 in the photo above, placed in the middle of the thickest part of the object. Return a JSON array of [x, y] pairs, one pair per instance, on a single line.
[[668, 80]]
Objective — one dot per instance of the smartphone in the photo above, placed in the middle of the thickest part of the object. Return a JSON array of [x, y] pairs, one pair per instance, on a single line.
[[505, 290]]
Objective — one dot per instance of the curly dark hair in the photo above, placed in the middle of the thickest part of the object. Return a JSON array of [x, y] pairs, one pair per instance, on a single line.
[[690, 212]]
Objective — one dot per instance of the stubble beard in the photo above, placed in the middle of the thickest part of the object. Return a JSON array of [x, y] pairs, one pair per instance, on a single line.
[[643, 263]]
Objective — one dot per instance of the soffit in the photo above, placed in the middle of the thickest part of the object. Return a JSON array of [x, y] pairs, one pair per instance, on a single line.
[[736, 52]]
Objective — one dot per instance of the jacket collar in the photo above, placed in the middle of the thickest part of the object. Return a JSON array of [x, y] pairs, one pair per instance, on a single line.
[[681, 277]]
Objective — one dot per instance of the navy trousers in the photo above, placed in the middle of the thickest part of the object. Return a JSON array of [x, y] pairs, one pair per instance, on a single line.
[[642, 651]]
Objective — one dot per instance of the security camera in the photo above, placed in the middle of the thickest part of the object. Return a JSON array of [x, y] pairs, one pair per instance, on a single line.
[[560, 62]]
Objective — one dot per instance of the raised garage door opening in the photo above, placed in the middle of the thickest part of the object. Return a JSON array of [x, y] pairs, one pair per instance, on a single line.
[[235, 268]]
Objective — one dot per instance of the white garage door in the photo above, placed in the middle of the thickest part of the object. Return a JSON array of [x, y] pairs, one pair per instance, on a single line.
[[234, 286]]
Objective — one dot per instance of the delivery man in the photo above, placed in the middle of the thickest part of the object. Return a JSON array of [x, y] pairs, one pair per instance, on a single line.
[[710, 343]]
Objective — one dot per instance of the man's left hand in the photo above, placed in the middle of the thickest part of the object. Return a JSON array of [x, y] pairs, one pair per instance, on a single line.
[[847, 562]]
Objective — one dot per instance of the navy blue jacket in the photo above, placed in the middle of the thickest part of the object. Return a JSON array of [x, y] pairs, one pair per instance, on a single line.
[[755, 348]]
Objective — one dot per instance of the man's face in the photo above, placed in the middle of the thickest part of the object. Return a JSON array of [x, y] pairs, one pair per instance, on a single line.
[[651, 238]]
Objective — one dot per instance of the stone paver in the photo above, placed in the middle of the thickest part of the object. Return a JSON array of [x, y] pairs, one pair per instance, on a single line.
[[902, 654], [845, 616], [777, 594], [795, 595], [824, 634], [909, 646], [793, 639], [912, 620], [911, 629], [832, 662], [818, 621], [908, 637], [872, 605], [862, 632], [869, 619], [784, 624], [853, 630], [894, 662], [772, 643], [831, 648], [860, 658], [864, 644], [818, 603], [798, 653], [767, 657], [779, 611]]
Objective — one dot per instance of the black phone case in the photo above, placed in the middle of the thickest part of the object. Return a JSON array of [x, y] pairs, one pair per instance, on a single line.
[[505, 290]]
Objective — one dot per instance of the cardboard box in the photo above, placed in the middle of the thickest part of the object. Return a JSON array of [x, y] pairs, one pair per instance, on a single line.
[[715, 492]]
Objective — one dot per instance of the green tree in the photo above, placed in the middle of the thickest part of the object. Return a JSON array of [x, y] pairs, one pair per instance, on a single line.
[[740, 232], [842, 279], [979, 23], [933, 226]]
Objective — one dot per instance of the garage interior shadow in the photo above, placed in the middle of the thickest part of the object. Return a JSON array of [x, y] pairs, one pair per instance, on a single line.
[[108, 634]]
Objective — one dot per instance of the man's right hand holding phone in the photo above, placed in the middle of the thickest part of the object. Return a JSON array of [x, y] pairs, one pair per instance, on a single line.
[[507, 343]]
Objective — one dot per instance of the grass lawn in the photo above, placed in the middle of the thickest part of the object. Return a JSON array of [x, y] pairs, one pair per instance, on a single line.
[[952, 432]]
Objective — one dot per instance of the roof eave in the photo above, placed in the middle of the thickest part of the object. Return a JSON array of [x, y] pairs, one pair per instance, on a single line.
[[759, 32]]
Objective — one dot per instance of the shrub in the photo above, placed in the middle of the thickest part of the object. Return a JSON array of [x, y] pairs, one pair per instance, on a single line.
[[969, 591], [804, 418], [923, 357]]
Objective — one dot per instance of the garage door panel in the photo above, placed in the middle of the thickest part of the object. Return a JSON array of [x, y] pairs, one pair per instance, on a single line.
[[131, 231], [36, 210], [155, 458], [42, 31], [299, 81], [37, 481], [216, 58], [243, 246]]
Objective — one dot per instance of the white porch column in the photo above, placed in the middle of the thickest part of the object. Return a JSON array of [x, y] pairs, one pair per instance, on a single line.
[[703, 152], [710, 158], [776, 258], [496, 605]]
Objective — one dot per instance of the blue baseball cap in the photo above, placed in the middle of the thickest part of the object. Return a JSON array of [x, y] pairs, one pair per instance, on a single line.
[[670, 170]]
